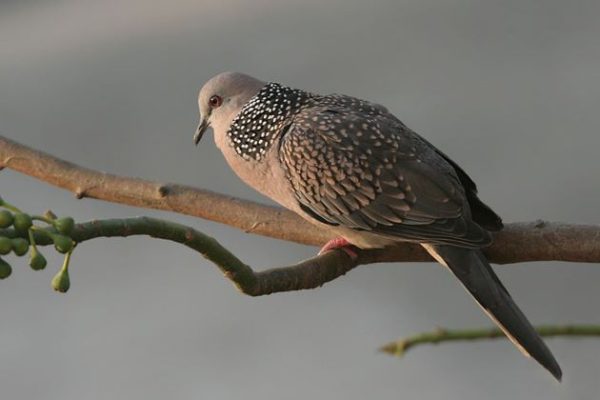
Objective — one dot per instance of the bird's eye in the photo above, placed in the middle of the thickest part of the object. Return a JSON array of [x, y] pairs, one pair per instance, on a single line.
[[215, 101]]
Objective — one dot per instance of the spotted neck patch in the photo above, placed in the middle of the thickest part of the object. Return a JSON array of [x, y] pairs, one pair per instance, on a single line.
[[262, 119]]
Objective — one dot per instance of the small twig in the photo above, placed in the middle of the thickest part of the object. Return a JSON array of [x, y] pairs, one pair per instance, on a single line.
[[400, 347], [307, 274]]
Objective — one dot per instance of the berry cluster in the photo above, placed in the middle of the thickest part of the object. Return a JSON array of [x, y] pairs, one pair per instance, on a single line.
[[18, 231]]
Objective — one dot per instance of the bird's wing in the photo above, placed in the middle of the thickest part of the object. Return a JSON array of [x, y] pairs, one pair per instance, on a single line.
[[366, 171]]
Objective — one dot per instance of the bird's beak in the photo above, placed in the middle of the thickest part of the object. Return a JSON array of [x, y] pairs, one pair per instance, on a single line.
[[202, 127]]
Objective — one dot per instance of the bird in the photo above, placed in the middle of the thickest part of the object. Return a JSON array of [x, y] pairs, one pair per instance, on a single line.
[[350, 166]]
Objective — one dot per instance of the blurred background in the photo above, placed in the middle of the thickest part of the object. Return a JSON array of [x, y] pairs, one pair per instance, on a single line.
[[510, 90]]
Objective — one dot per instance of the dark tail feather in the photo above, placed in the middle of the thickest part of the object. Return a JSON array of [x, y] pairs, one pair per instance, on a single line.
[[475, 273]]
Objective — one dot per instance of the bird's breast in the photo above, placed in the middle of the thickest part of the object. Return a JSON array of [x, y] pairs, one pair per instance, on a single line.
[[265, 175]]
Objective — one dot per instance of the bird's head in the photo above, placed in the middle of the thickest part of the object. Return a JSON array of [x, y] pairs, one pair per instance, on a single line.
[[222, 98]]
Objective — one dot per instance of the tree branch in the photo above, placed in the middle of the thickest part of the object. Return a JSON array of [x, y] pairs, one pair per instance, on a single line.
[[518, 242], [83, 182], [307, 274], [400, 347]]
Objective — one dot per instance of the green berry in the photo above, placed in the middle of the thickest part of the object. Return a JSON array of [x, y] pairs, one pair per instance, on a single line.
[[62, 244], [5, 269], [20, 246], [22, 222], [6, 218], [64, 225], [37, 261], [61, 281], [5, 245]]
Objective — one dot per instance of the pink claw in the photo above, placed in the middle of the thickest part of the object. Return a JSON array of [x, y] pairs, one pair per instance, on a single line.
[[339, 243]]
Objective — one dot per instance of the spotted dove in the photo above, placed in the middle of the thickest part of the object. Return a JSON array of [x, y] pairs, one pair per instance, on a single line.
[[350, 166]]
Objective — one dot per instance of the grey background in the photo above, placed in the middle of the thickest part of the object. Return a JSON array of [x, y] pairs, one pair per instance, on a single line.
[[509, 89]]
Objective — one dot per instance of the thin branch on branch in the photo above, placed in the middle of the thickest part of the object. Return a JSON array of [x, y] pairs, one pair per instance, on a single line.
[[307, 274], [518, 242], [400, 347]]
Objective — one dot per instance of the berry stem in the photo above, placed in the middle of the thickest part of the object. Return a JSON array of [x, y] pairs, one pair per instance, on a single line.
[[32, 240], [42, 218], [10, 207]]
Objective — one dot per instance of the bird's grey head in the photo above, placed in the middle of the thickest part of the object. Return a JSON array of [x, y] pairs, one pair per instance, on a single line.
[[221, 99]]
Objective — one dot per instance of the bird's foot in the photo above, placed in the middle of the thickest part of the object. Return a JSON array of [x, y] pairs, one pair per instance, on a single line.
[[342, 244]]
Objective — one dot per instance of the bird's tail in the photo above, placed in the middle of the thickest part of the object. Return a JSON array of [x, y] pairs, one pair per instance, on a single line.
[[477, 276]]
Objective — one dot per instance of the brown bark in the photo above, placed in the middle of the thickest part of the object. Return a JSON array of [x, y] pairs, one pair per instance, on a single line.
[[518, 242]]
